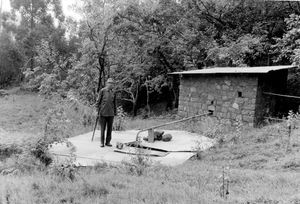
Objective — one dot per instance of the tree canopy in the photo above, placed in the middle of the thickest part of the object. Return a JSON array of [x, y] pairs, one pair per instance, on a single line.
[[139, 42]]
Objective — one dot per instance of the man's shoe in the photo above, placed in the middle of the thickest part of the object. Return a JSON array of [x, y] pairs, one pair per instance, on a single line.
[[102, 145], [109, 145]]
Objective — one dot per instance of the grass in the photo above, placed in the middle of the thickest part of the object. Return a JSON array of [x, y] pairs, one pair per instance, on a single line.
[[260, 168], [23, 117], [194, 182]]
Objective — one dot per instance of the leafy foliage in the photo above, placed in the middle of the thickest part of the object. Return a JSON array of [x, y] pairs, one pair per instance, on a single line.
[[139, 42], [10, 59], [119, 121]]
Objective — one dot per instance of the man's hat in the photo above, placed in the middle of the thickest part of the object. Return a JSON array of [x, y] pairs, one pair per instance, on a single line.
[[110, 80]]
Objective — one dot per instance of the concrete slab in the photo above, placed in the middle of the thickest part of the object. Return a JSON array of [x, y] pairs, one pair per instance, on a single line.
[[89, 153]]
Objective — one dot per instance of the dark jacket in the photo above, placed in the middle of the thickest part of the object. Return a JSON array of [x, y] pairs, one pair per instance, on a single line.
[[106, 102]]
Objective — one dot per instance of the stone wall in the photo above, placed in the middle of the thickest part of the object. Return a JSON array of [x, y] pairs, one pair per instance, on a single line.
[[230, 97]]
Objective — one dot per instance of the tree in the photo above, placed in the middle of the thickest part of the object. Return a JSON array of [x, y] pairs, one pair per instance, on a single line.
[[288, 48], [37, 23], [10, 59], [99, 21], [53, 63]]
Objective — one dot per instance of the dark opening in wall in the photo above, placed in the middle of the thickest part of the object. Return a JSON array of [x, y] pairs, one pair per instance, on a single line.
[[240, 94], [210, 112], [212, 102]]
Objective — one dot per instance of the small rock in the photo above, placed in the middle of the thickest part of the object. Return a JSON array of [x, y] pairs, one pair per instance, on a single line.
[[167, 137]]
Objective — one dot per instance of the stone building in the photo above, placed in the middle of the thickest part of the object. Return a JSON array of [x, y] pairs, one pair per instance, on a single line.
[[231, 94]]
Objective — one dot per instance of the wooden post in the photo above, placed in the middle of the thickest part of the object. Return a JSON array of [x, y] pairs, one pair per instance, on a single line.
[[151, 135]]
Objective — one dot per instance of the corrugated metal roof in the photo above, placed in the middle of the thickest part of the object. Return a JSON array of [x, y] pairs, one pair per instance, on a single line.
[[236, 70]]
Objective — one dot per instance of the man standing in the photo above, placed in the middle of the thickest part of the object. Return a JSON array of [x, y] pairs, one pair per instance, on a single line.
[[107, 110]]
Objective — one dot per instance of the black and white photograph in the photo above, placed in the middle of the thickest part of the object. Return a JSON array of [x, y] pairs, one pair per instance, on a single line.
[[149, 101]]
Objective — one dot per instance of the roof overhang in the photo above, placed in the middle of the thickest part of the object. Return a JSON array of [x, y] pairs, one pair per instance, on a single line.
[[235, 70]]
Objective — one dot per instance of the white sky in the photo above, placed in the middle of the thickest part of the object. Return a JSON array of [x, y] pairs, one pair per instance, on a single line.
[[66, 5]]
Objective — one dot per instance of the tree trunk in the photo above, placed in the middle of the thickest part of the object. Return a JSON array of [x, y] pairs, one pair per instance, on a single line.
[[99, 81], [147, 101], [101, 72], [31, 30], [134, 110], [136, 99]]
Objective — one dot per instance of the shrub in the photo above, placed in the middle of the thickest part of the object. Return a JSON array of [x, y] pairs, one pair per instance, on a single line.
[[34, 154], [119, 122], [138, 163]]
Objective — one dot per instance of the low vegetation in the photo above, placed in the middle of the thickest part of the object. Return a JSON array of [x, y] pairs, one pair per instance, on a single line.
[[255, 167], [138, 43]]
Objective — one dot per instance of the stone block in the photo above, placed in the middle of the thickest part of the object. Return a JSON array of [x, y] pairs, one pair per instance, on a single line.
[[194, 94], [249, 94], [224, 98], [232, 110], [181, 113], [227, 82], [193, 89], [194, 99], [247, 112], [249, 106], [243, 84], [231, 94], [219, 102], [239, 117], [248, 119], [223, 121], [225, 87], [226, 104], [235, 106], [212, 108], [210, 97], [239, 100]]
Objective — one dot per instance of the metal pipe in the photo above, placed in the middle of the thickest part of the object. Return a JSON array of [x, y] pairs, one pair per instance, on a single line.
[[281, 95], [169, 123], [275, 118]]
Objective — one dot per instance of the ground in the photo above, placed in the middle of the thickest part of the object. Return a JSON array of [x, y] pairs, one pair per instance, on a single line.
[[255, 162]]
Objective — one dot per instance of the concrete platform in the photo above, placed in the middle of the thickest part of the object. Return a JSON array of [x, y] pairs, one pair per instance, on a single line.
[[89, 153]]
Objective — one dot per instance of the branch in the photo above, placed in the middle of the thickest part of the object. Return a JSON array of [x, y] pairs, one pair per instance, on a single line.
[[126, 91], [92, 36], [208, 14], [125, 99], [131, 20]]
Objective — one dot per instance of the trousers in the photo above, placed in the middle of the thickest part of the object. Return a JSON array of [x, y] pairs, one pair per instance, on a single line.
[[106, 121]]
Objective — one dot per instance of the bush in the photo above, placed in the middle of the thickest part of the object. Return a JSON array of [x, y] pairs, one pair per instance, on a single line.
[[119, 122], [138, 163], [7, 150], [34, 154]]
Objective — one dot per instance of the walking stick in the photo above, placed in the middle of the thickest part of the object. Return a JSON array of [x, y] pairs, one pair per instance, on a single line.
[[95, 126]]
